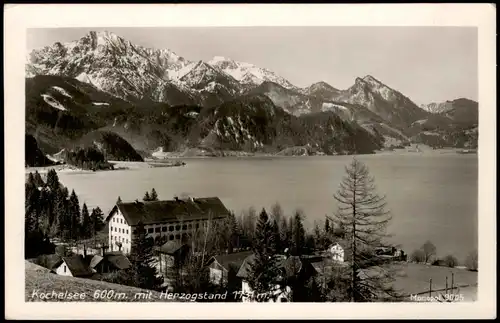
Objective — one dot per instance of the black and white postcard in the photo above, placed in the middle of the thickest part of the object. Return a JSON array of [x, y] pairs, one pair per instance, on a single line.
[[206, 156]]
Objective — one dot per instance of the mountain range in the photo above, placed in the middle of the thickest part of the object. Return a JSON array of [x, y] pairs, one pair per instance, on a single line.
[[155, 98]]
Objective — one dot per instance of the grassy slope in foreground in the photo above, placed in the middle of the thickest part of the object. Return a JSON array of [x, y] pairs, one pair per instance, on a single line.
[[41, 280]]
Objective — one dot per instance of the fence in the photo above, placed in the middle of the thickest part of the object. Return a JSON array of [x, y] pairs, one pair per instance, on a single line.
[[451, 292]]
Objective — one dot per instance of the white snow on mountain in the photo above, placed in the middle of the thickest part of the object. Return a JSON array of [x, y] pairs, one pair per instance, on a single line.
[[438, 107], [328, 106], [53, 102], [62, 91], [99, 103], [247, 73]]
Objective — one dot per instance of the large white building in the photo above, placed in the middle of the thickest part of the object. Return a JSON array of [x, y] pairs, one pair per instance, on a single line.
[[171, 219]]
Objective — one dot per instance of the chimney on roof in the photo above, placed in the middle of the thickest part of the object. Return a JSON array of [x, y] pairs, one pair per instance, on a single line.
[[176, 199]]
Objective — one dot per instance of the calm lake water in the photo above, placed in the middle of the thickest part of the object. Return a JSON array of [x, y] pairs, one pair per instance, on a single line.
[[431, 196]]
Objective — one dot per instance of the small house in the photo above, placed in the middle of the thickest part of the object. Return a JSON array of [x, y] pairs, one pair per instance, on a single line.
[[223, 268], [337, 252], [110, 262], [170, 255], [73, 266]]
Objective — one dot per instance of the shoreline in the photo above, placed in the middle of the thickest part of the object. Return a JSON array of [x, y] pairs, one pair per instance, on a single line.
[[118, 165], [176, 159], [173, 156]]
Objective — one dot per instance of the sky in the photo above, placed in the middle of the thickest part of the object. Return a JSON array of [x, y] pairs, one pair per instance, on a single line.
[[427, 64]]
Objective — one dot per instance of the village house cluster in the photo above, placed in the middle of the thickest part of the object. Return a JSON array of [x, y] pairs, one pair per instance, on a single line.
[[172, 221]]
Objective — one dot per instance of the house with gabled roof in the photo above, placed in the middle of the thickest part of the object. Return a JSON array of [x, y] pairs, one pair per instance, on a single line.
[[172, 220], [223, 268], [110, 262], [73, 266], [337, 251]]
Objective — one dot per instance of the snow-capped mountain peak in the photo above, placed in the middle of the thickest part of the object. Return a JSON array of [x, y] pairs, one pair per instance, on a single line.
[[247, 73]]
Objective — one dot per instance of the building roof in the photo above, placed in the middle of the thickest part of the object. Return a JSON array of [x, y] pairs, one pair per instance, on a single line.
[[341, 243], [171, 247], [234, 260], [96, 259], [77, 266], [49, 261], [119, 261], [171, 210]]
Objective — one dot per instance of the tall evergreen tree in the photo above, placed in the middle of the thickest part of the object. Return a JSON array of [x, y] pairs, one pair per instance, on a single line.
[[361, 211], [31, 179], [146, 197], [53, 180], [45, 217], [35, 242], [153, 196], [38, 180], [277, 212], [284, 239], [289, 233], [318, 237], [86, 228], [298, 238], [143, 272], [327, 227], [61, 212], [75, 217], [263, 273], [275, 238], [32, 195], [96, 221], [234, 233]]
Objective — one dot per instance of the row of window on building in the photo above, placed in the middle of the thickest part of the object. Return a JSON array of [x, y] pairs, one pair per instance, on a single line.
[[171, 228], [119, 220], [120, 239], [120, 230], [160, 229], [170, 237]]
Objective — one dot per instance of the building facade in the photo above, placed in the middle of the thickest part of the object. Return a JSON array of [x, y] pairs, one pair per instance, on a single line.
[[337, 252], [170, 220]]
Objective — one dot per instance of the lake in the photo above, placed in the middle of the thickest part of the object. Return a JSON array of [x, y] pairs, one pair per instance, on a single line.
[[431, 196]]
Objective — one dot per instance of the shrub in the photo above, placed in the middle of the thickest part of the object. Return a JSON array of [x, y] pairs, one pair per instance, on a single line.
[[450, 261], [418, 256], [471, 261]]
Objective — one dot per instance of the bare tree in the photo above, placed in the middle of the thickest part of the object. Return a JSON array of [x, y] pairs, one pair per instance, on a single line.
[[429, 250], [472, 261], [361, 211], [418, 256]]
